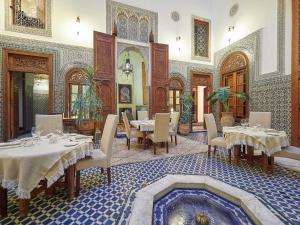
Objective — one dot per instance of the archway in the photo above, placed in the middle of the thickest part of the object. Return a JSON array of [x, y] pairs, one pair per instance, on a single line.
[[132, 91], [235, 74], [176, 88]]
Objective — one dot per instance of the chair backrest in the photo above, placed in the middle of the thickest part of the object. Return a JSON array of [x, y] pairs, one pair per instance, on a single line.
[[126, 124], [142, 115], [262, 118], [108, 134], [175, 120], [161, 129], [129, 116], [47, 124], [211, 127]]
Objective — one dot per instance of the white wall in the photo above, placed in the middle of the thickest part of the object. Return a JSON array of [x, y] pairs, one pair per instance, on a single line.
[[253, 15], [93, 17]]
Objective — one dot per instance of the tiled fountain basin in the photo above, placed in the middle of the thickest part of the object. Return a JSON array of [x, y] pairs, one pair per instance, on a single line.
[[142, 212]]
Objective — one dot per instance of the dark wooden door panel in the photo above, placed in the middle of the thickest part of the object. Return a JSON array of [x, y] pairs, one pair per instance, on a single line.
[[159, 78], [295, 97], [104, 63]]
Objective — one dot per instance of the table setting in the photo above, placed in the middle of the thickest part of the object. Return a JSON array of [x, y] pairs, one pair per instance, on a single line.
[[265, 141], [27, 161]]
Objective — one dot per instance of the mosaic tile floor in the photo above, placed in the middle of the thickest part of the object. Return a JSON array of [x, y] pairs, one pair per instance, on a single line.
[[100, 203]]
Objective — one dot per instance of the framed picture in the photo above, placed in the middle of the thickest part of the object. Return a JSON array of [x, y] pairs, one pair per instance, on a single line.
[[125, 95], [28, 16]]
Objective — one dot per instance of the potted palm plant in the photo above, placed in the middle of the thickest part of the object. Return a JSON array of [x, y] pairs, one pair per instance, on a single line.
[[187, 104], [222, 95], [87, 106]]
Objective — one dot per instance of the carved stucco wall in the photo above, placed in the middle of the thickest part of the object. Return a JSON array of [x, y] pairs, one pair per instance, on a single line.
[[64, 58], [132, 23]]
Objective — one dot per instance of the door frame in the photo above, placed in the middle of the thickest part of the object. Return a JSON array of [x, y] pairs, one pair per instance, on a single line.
[[295, 79], [23, 61], [210, 82]]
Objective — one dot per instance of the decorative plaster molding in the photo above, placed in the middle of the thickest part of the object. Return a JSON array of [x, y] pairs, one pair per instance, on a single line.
[[114, 8], [27, 30]]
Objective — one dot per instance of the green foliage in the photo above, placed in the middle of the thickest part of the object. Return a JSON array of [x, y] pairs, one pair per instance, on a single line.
[[88, 104], [187, 104], [222, 95]]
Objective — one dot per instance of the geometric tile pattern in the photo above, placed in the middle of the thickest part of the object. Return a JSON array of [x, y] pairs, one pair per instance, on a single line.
[[100, 203], [184, 204]]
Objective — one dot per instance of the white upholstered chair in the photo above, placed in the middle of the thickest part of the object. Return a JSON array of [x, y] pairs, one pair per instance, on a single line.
[[161, 130], [262, 118], [212, 135], [47, 124], [174, 126], [130, 131], [142, 115], [101, 157]]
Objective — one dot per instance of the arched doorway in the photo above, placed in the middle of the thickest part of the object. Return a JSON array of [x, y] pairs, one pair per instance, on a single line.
[[176, 88], [132, 91], [235, 74], [74, 86]]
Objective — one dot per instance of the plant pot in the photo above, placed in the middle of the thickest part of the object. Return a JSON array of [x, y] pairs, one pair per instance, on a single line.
[[227, 119], [184, 129], [86, 127]]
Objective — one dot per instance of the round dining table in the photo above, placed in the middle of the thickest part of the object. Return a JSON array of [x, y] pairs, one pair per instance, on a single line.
[[24, 164], [265, 141]]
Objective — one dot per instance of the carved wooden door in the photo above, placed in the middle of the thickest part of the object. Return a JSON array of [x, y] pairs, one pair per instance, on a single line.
[[14, 106], [295, 98], [104, 63], [200, 79], [159, 78], [237, 82]]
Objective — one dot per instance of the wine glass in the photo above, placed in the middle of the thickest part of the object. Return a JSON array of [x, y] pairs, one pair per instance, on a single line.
[[33, 132]]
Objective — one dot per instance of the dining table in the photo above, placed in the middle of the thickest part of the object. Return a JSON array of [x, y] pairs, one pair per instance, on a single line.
[[146, 126], [28, 163], [266, 141]]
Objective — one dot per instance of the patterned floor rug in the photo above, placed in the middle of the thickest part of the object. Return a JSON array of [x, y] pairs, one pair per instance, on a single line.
[[100, 203], [121, 154]]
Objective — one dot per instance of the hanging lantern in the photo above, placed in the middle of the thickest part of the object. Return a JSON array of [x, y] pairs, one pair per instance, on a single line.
[[127, 67]]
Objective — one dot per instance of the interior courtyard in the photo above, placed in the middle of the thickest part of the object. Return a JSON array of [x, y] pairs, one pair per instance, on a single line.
[[136, 112]]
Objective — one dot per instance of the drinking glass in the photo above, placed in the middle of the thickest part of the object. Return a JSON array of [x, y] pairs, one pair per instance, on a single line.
[[33, 132]]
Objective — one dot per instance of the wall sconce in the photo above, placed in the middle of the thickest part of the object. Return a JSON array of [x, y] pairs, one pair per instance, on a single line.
[[178, 42], [230, 33], [78, 25]]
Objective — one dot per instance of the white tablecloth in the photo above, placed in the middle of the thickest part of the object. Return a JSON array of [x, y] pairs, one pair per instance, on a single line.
[[143, 125], [266, 140], [24, 167]]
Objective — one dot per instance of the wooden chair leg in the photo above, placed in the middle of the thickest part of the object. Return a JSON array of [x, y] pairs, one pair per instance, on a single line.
[[215, 149], [167, 147], [229, 155], [108, 175], [24, 207], [209, 149], [128, 144], [77, 189], [126, 141], [175, 139], [3, 200], [171, 138], [154, 148], [102, 170]]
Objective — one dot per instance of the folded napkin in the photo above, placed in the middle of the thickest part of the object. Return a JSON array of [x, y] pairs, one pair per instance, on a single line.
[[82, 137], [10, 144]]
